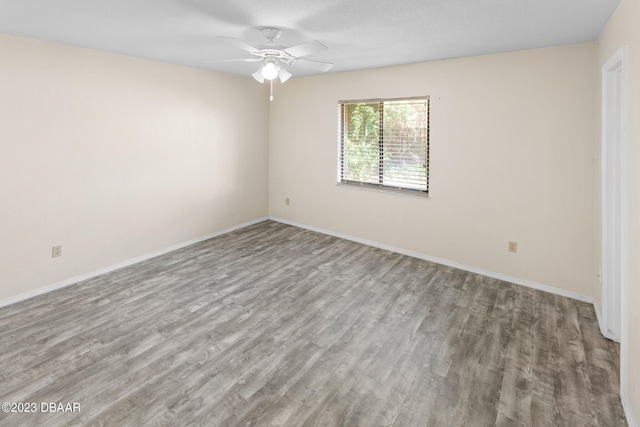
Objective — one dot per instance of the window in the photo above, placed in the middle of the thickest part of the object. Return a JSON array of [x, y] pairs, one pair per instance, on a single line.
[[384, 143]]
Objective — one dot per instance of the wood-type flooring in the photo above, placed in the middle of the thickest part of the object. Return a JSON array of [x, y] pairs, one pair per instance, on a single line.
[[274, 325]]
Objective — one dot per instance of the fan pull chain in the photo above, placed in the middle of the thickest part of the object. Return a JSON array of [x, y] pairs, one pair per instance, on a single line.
[[271, 96]]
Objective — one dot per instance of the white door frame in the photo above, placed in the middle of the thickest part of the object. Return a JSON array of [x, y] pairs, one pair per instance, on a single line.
[[613, 196]]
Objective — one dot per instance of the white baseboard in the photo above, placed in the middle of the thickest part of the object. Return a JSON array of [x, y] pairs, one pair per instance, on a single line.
[[627, 410], [603, 331], [127, 263], [499, 276], [494, 275]]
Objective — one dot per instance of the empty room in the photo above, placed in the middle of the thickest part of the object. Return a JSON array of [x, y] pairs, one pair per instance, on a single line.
[[297, 213]]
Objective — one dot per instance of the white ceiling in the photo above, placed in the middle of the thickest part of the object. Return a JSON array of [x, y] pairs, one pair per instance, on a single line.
[[359, 33]]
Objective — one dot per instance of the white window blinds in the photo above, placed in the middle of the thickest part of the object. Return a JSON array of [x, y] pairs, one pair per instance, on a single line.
[[384, 143]]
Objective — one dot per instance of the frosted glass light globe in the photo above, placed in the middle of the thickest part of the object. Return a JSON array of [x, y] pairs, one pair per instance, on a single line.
[[269, 71]]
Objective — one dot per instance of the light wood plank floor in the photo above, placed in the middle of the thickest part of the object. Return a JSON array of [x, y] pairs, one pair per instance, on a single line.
[[275, 325]]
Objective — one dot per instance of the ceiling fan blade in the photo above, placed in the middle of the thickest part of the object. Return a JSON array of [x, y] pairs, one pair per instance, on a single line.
[[313, 65], [217, 61], [284, 75], [307, 48], [242, 45]]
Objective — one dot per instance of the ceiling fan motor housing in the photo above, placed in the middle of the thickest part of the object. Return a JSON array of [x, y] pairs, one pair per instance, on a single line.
[[271, 33]]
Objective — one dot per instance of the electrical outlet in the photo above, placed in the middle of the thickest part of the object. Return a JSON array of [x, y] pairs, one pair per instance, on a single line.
[[56, 251], [513, 247], [287, 201]]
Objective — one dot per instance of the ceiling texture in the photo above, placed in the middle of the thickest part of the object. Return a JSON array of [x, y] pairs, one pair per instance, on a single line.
[[359, 34]]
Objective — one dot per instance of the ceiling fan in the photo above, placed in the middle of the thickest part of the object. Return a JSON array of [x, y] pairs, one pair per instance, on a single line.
[[274, 57]]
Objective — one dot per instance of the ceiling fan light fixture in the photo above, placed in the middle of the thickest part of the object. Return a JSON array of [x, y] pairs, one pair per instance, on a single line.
[[258, 76], [283, 75], [270, 70]]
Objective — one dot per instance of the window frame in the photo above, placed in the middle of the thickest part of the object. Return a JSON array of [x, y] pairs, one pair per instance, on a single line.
[[380, 186]]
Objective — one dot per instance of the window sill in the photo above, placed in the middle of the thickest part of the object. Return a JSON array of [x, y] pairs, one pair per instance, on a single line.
[[401, 192]]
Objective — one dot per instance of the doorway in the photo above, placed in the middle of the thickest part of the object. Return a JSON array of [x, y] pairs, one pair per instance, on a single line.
[[613, 196]]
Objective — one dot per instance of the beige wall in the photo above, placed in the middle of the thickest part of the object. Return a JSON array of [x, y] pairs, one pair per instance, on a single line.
[[115, 158], [512, 139], [623, 29]]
